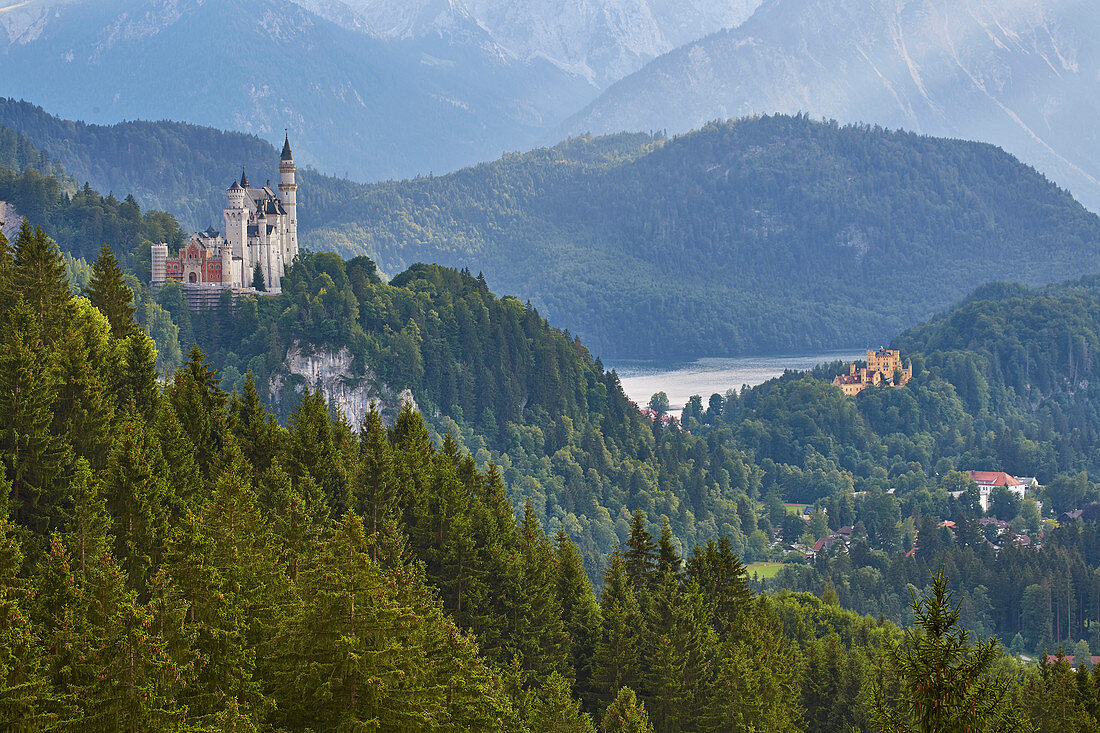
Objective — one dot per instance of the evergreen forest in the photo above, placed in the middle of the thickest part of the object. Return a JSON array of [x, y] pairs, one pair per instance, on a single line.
[[184, 546]]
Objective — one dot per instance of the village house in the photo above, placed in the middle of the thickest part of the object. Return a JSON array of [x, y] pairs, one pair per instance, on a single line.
[[989, 480]]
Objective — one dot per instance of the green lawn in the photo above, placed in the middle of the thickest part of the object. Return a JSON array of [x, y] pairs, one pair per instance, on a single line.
[[796, 508], [763, 569]]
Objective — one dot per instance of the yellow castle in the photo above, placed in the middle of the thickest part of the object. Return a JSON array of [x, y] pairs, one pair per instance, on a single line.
[[884, 367]]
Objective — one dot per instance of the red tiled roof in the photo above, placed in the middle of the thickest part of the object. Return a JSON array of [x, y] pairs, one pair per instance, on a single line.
[[994, 478]]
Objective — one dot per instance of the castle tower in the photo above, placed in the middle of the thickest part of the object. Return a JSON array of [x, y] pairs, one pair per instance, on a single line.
[[288, 197], [160, 263], [236, 225]]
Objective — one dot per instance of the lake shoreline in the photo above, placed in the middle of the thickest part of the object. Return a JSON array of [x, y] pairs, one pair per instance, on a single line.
[[713, 375]]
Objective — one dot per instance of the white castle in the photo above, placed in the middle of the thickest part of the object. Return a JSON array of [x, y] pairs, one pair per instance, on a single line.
[[261, 232]]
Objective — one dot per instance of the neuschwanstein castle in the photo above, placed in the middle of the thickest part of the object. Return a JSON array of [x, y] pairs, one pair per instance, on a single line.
[[261, 230]]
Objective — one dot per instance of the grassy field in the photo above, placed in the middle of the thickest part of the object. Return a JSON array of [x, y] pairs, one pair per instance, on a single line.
[[763, 569], [796, 508]]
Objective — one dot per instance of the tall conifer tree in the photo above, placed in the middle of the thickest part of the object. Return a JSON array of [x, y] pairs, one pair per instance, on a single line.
[[41, 281], [109, 293]]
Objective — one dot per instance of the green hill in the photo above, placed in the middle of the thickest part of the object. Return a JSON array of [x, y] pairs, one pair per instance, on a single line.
[[773, 234], [171, 166]]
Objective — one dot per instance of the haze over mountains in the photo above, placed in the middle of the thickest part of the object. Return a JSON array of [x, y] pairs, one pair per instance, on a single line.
[[598, 40], [358, 104], [1022, 74], [376, 89]]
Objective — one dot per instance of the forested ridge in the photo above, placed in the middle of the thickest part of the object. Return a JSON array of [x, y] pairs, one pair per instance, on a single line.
[[177, 557], [173, 558], [646, 246], [171, 166]]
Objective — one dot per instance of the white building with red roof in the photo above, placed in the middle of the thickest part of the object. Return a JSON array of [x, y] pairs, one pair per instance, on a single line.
[[989, 480]]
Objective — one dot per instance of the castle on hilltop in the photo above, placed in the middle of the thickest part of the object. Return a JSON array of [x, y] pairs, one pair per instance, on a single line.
[[884, 367], [260, 242]]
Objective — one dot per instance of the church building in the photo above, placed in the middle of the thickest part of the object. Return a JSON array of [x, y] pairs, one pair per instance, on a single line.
[[261, 234]]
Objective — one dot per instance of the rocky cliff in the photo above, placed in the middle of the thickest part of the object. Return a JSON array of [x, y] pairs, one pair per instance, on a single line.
[[331, 372]]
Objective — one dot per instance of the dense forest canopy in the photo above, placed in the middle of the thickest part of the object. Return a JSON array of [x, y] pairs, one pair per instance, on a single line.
[[229, 548], [173, 558], [652, 247]]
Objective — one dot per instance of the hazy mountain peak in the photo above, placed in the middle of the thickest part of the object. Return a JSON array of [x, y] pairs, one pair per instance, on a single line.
[[1019, 73], [600, 40], [23, 22]]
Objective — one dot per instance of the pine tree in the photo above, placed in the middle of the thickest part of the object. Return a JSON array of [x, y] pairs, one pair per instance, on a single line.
[[22, 683], [257, 432], [580, 614], [109, 293], [137, 382], [640, 557], [555, 711], [617, 662], [299, 516], [199, 404], [137, 494], [376, 490], [32, 455], [258, 279], [83, 412], [945, 682], [537, 631], [355, 656], [84, 517], [41, 281], [133, 680], [222, 562], [7, 275], [668, 559], [720, 574], [625, 714]]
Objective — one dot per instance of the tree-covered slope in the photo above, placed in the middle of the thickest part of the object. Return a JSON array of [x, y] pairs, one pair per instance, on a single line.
[[768, 234], [170, 166], [1016, 73], [764, 235]]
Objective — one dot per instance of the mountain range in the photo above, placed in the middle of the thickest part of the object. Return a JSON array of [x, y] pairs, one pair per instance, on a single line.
[[377, 89], [1022, 74], [358, 104], [598, 40]]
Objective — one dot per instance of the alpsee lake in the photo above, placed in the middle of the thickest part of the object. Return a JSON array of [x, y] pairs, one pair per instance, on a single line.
[[704, 377]]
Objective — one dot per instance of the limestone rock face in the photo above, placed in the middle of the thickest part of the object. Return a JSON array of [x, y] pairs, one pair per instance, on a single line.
[[10, 220], [598, 40], [331, 372]]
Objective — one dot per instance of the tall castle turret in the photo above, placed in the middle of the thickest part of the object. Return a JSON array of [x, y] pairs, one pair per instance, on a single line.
[[236, 220], [288, 196]]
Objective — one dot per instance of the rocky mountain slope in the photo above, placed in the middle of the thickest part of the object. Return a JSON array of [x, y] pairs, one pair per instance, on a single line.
[[366, 106], [598, 40], [1022, 74]]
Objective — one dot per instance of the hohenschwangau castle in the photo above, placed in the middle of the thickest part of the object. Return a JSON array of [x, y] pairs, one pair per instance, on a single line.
[[261, 230]]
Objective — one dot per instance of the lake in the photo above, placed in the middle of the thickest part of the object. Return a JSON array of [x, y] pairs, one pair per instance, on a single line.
[[704, 377]]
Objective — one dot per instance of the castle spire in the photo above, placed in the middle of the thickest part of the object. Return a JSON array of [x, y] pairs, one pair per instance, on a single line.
[[244, 179], [286, 148]]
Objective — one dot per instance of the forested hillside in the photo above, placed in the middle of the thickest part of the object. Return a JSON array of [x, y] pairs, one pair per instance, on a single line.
[[171, 166], [185, 526], [651, 247], [171, 558], [675, 247]]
